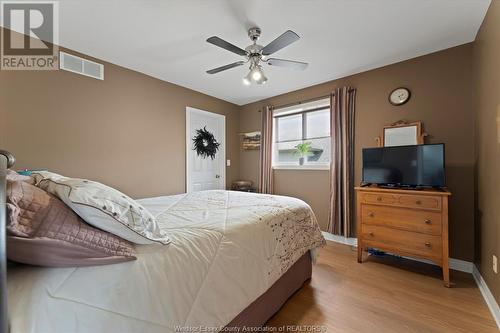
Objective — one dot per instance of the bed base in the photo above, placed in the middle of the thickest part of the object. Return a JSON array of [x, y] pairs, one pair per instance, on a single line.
[[264, 307]]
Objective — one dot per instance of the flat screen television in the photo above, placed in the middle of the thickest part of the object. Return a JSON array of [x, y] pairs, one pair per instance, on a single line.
[[412, 166]]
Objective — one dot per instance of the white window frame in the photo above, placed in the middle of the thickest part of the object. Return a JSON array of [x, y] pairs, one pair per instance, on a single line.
[[302, 109]]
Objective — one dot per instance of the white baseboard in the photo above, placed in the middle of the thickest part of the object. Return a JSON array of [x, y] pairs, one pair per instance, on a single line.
[[487, 295], [340, 239], [461, 265], [455, 264]]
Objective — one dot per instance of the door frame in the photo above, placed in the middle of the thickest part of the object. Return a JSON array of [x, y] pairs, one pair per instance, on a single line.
[[189, 144]]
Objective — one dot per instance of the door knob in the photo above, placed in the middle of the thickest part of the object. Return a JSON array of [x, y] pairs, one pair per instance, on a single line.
[[370, 214], [427, 244], [428, 221], [217, 176]]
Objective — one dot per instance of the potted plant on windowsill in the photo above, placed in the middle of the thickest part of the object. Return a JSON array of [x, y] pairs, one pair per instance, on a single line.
[[303, 150]]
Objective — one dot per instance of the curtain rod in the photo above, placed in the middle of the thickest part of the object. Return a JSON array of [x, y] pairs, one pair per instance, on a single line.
[[306, 100], [301, 102]]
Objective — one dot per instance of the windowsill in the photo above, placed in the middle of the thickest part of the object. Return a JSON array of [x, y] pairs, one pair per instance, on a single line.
[[302, 167]]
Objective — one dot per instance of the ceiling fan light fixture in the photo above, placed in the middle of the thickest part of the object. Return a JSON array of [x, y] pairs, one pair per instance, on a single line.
[[247, 80], [256, 74], [263, 79], [257, 55]]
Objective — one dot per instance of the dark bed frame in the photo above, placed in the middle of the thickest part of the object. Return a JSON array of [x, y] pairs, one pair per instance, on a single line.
[[270, 302], [7, 160], [255, 315]]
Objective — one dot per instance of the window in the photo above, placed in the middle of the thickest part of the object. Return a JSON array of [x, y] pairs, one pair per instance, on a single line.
[[305, 123]]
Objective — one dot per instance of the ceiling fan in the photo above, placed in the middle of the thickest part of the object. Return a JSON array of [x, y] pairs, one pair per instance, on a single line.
[[257, 54]]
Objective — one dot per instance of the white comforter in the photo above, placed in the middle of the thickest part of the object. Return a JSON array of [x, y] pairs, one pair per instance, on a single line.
[[227, 249]]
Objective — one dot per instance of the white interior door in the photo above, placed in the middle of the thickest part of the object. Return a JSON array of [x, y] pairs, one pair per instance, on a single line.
[[205, 173]]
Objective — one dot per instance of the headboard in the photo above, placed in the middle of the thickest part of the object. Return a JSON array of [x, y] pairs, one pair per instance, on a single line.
[[7, 160]]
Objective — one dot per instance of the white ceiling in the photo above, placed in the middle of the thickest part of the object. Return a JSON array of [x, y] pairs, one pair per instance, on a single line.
[[166, 38]]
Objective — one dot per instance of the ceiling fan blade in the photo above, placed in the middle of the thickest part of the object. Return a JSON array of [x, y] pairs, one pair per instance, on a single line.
[[226, 45], [287, 38], [223, 68], [287, 63]]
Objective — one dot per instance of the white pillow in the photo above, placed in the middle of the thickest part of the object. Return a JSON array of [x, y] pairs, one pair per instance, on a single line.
[[104, 207]]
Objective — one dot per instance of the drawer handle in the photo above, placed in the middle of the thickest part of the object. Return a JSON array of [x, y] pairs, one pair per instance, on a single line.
[[379, 198], [428, 221], [370, 214], [427, 244], [371, 234], [418, 202]]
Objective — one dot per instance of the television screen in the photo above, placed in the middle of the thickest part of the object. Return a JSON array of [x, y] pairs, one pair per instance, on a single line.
[[418, 165]]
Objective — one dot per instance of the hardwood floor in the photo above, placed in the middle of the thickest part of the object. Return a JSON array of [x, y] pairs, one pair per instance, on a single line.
[[380, 296]]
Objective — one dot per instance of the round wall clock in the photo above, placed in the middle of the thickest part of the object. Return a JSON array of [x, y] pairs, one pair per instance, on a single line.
[[399, 96]]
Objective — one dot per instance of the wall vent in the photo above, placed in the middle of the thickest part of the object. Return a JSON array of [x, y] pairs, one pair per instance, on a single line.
[[75, 64]]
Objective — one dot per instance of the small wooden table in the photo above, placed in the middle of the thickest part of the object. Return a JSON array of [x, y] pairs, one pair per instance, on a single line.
[[411, 223]]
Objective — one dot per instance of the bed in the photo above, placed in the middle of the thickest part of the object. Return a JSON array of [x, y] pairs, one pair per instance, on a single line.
[[233, 260]]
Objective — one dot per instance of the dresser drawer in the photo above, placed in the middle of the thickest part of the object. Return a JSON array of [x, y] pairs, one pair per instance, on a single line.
[[402, 242], [423, 221], [420, 201], [379, 198]]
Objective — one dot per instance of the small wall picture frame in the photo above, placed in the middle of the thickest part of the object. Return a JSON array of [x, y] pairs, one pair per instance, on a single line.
[[402, 133], [250, 140]]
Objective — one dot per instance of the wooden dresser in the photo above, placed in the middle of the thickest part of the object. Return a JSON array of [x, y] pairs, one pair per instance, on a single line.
[[411, 223]]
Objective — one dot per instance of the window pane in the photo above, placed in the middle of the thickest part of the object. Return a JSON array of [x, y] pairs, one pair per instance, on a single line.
[[318, 124], [285, 152], [320, 150], [289, 128]]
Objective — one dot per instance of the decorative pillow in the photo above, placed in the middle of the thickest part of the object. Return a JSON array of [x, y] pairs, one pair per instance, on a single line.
[[14, 176], [104, 207], [43, 231]]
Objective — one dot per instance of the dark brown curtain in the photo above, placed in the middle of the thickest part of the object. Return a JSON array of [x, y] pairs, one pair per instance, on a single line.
[[266, 152], [342, 161]]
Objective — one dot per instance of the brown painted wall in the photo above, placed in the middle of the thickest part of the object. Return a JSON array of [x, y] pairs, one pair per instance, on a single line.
[[487, 87], [441, 98], [127, 131]]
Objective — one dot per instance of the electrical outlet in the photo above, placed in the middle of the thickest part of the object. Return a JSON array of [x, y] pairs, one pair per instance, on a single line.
[[228, 162], [495, 264]]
